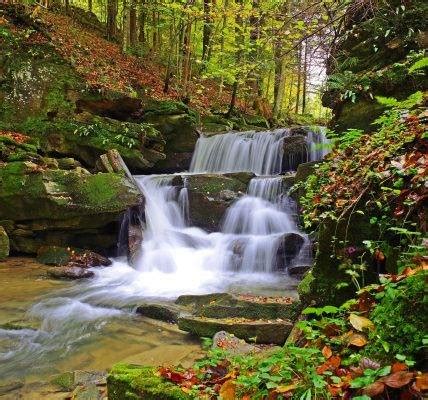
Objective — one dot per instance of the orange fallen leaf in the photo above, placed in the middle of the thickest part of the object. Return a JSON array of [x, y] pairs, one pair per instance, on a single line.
[[227, 390], [357, 340], [421, 383], [326, 352], [398, 366]]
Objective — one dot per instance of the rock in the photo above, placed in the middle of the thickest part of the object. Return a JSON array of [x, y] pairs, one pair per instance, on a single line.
[[295, 152], [177, 124], [88, 259], [68, 163], [70, 272], [10, 387], [162, 312], [135, 240], [4, 244], [210, 195], [251, 307], [298, 270], [199, 300], [73, 207], [126, 382], [87, 392], [53, 255], [232, 344], [262, 331], [68, 381], [289, 247]]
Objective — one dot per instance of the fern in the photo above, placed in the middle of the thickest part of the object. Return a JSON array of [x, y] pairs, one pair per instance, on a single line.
[[420, 64]]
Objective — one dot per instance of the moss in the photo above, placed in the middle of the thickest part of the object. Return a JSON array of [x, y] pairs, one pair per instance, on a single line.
[[132, 382], [304, 289], [65, 381], [4, 243]]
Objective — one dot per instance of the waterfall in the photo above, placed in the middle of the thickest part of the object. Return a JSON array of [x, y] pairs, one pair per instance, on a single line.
[[258, 152]]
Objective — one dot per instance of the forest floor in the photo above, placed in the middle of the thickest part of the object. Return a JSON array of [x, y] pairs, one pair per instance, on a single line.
[[105, 67]]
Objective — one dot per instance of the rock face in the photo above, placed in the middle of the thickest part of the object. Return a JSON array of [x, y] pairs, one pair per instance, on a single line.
[[73, 208], [364, 65]]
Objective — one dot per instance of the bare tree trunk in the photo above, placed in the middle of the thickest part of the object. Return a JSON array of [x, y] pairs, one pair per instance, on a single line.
[[142, 17], [280, 90], [125, 25], [207, 30], [111, 19], [90, 5], [299, 78], [187, 37], [133, 23], [305, 77], [223, 29]]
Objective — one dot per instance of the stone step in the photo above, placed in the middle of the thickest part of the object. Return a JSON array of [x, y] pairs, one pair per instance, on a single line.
[[258, 331]]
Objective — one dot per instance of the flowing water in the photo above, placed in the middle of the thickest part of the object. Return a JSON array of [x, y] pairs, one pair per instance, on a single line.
[[91, 324]]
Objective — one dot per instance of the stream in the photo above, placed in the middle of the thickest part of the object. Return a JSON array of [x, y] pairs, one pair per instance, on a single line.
[[91, 324]]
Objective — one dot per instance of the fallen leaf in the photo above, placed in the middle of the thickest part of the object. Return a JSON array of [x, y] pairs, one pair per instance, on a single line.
[[326, 352], [360, 323], [398, 379], [374, 389], [227, 390], [398, 366], [285, 388], [357, 340], [421, 383]]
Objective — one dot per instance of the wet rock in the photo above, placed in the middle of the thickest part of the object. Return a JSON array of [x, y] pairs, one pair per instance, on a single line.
[[162, 312], [298, 270], [89, 259], [87, 392], [262, 331], [70, 380], [53, 255], [295, 152], [289, 247], [4, 243], [210, 195], [72, 272], [135, 240]]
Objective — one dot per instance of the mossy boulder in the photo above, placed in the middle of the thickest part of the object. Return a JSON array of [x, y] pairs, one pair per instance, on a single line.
[[74, 207], [177, 124], [132, 382], [4, 243], [210, 195], [161, 312]]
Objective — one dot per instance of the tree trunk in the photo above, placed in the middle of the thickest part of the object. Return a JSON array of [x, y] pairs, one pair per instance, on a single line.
[[111, 19], [142, 17], [299, 78], [133, 23], [187, 37], [305, 77], [125, 25], [90, 5], [280, 89], [207, 30]]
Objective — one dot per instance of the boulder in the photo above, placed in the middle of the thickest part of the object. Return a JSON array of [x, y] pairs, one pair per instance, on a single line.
[[260, 331], [295, 152], [69, 272], [298, 270], [133, 382], [210, 195], [289, 247], [4, 243], [199, 300], [233, 345], [73, 207]]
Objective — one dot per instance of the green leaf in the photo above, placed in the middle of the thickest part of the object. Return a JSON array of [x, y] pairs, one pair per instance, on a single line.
[[420, 64]]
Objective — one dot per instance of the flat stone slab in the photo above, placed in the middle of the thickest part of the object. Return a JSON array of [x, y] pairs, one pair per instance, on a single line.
[[258, 331], [199, 300], [161, 312]]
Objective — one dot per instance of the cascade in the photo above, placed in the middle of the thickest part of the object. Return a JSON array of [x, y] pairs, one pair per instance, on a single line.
[[258, 152], [259, 235]]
